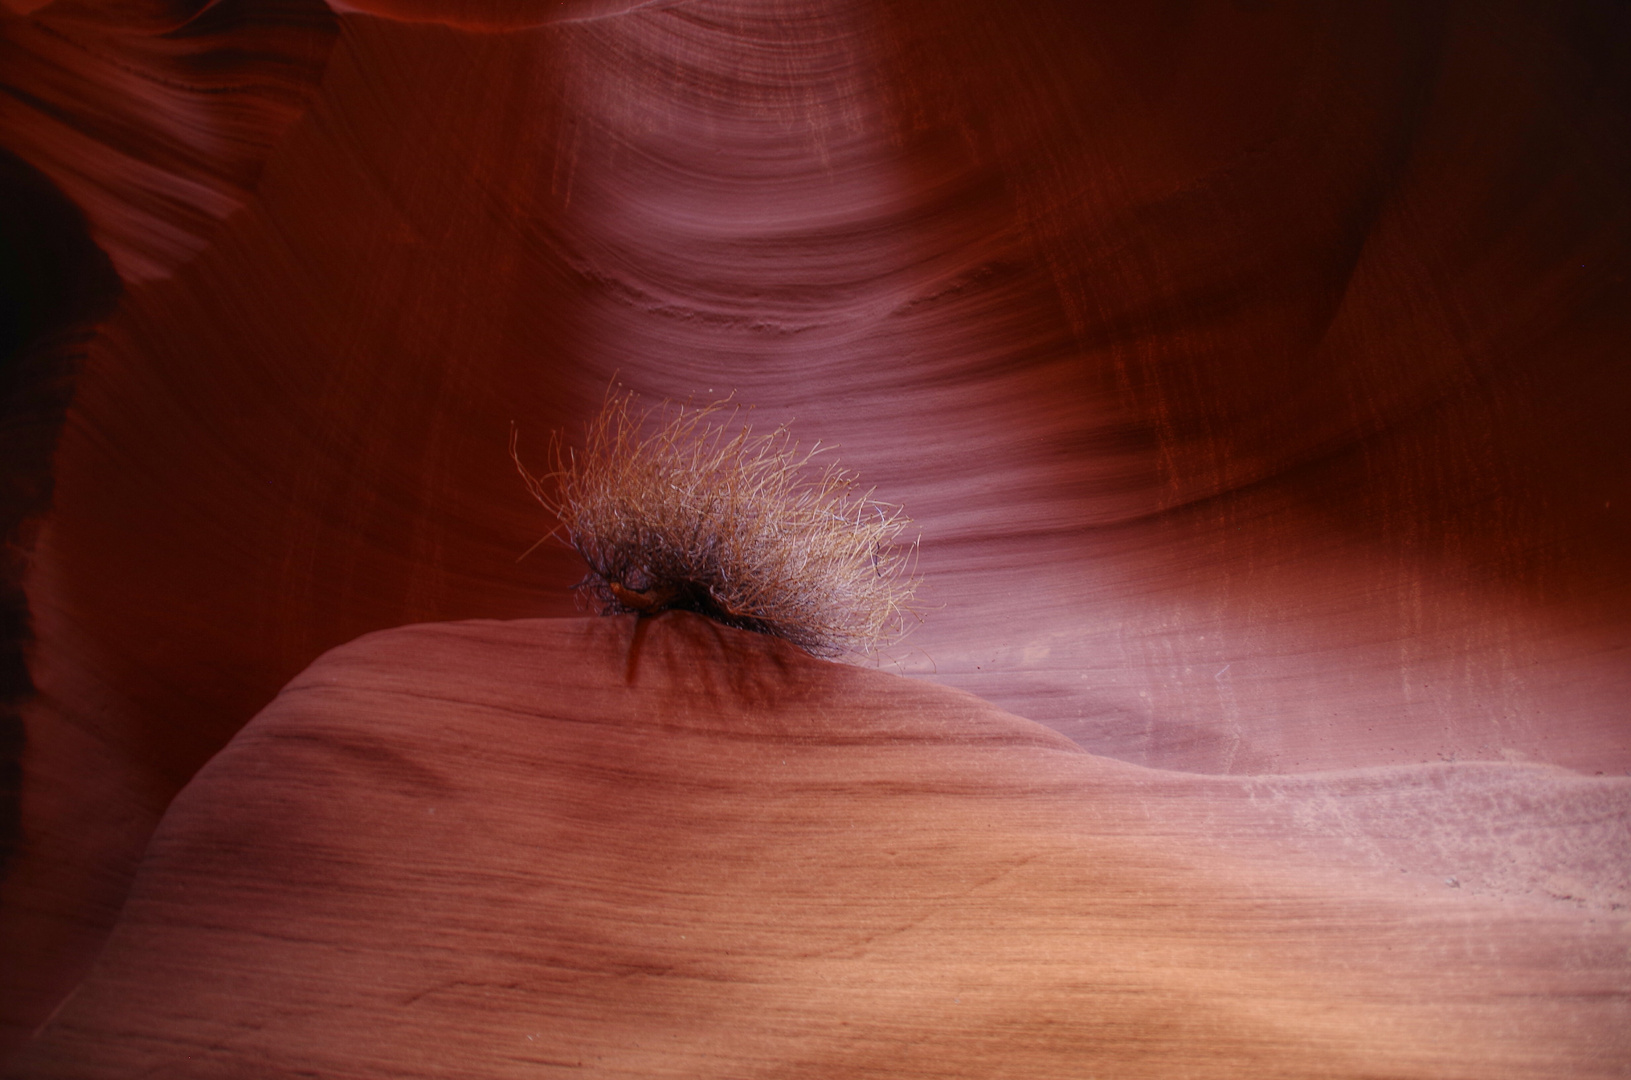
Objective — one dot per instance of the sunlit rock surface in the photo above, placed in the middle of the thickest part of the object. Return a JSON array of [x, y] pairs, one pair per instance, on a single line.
[[483, 849], [1256, 372]]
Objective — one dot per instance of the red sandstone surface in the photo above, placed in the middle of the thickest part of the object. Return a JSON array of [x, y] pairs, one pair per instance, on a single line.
[[1255, 371], [490, 849]]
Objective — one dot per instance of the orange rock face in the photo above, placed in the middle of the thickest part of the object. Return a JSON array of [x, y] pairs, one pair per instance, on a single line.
[[483, 849], [1255, 371]]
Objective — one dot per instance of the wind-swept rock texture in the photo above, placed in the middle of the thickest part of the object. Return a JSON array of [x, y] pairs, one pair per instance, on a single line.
[[156, 117], [1255, 371], [675, 849]]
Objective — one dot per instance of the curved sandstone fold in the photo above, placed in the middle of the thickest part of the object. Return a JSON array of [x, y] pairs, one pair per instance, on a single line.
[[1256, 373], [493, 849], [500, 15], [156, 117]]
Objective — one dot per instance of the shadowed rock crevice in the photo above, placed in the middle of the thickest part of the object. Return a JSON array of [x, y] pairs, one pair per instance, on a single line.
[[55, 284]]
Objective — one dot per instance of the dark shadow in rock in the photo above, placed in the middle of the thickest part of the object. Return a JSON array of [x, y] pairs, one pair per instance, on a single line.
[[55, 283]]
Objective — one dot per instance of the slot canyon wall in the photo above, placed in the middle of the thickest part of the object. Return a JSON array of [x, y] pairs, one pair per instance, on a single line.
[[1255, 372]]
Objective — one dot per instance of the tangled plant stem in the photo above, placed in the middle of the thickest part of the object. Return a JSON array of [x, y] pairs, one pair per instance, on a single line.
[[674, 511]]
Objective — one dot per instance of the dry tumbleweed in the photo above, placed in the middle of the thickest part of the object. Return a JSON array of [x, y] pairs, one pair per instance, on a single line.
[[672, 510]]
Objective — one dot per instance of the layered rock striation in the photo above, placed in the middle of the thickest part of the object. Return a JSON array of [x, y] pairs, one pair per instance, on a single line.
[[670, 848], [1254, 371]]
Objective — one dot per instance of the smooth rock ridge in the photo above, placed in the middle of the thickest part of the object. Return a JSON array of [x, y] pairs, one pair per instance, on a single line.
[[492, 849]]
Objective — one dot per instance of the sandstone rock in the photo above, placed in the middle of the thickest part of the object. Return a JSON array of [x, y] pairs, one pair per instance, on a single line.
[[488, 849]]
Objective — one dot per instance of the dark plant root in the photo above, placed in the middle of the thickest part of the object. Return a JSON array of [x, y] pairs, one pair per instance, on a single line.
[[671, 596], [648, 602], [646, 593]]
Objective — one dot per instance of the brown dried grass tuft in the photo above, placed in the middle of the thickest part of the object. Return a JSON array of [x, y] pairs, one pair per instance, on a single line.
[[679, 508]]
